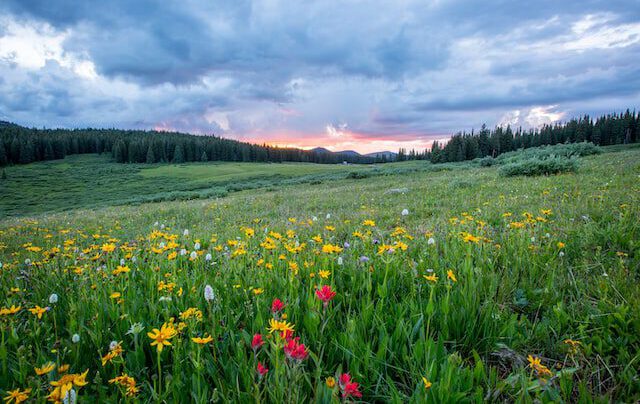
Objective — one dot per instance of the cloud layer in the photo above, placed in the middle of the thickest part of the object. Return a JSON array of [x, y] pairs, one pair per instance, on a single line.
[[345, 74]]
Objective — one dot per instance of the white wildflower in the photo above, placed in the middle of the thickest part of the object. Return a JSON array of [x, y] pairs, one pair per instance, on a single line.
[[209, 295]]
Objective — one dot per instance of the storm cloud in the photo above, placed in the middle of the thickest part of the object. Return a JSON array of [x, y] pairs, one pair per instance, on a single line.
[[343, 74]]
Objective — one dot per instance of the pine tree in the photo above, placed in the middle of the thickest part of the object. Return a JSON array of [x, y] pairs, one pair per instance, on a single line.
[[48, 151], [27, 153], [151, 158], [203, 156], [4, 159], [178, 154]]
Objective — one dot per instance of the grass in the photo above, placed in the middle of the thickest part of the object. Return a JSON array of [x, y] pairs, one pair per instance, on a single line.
[[89, 181], [484, 273]]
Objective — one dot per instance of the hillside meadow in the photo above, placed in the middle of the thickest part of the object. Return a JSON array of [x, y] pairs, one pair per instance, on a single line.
[[412, 283]]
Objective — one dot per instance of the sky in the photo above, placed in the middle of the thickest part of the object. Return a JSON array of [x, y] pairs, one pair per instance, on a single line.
[[341, 74]]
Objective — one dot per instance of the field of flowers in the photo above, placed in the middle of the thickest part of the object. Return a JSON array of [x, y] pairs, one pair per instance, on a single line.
[[451, 286]]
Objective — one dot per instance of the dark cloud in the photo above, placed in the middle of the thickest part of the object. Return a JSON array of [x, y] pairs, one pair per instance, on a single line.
[[385, 69]]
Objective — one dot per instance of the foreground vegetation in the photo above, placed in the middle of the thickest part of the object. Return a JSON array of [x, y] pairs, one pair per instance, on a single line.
[[447, 286]]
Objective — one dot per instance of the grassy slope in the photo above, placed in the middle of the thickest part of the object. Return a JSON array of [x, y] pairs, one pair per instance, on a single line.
[[94, 181], [519, 299]]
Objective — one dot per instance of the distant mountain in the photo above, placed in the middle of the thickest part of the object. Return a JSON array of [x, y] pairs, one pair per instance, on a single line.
[[386, 154], [349, 153], [320, 150]]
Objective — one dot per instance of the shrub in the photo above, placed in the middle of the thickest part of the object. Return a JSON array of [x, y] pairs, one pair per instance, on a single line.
[[545, 152], [534, 166], [357, 175], [487, 161]]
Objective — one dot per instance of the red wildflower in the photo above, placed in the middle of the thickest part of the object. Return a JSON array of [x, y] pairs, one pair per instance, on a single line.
[[277, 306], [348, 387], [257, 342], [262, 370], [286, 335], [294, 350], [325, 294]]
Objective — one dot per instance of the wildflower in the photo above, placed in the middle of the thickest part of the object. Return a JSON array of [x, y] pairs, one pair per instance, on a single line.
[[324, 274], [452, 276], [63, 368], [348, 387], [561, 244], [431, 278], [162, 336], [196, 246], [115, 350], [75, 338], [16, 396], [127, 382], [185, 232], [208, 257], [208, 293], [281, 326], [330, 249], [431, 241], [183, 251], [295, 350], [363, 259], [536, 364], [202, 341], [256, 342], [53, 299], [121, 269], [262, 370], [339, 260], [574, 346], [115, 295], [63, 388], [135, 329], [46, 368], [427, 383], [38, 311], [325, 294], [405, 212], [10, 310], [331, 382], [277, 306], [193, 255]]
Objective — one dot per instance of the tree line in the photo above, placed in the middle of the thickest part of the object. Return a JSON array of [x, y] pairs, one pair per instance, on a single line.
[[20, 145], [616, 128]]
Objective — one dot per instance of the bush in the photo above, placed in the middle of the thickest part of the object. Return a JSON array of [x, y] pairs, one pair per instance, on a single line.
[[545, 152], [487, 161], [358, 175], [534, 166]]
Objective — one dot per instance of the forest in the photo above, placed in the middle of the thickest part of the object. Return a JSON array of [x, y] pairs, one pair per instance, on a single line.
[[20, 145]]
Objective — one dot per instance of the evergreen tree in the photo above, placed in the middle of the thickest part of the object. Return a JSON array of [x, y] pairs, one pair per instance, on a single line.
[[151, 158], [27, 153], [4, 174], [203, 156], [4, 160], [178, 154]]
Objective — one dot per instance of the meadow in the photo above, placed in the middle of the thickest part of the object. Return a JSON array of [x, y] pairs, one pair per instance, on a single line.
[[92, 180], [403, 283]]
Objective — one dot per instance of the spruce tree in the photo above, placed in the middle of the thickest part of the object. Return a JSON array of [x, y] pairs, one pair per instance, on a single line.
[[203, 157], [178, 154], [151, 158], [4, 159]]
